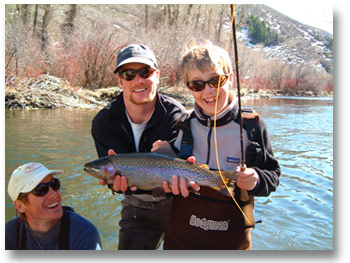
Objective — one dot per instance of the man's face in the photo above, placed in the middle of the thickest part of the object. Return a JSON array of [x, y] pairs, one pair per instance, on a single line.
[[140, 90], [42, 209]]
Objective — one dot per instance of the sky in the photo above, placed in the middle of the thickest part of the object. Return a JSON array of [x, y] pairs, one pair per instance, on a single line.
[[317, 14]]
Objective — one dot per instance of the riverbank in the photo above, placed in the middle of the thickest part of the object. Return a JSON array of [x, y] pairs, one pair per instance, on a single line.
[[50, 92]]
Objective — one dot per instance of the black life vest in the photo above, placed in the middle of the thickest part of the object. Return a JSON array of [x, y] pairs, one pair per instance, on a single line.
[[253, 153], [64, 236]]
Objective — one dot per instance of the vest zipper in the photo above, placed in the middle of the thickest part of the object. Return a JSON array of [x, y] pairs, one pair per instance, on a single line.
[[208, 139]]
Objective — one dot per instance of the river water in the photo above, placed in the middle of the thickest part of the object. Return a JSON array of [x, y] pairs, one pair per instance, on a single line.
[[298, 216]]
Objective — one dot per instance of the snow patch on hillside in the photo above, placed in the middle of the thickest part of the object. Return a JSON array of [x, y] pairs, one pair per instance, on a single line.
[[290, 51]]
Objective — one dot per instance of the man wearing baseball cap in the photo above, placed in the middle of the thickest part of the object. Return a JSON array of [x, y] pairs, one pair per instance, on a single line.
[[133, 122], [43, 222]]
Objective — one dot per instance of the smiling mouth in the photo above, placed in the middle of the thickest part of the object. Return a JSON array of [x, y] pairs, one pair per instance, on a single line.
[[210, 100], [139, 90], [53, 205]]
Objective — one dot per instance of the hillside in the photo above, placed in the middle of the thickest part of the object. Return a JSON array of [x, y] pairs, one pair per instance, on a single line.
[[300, 43], [78, 44]]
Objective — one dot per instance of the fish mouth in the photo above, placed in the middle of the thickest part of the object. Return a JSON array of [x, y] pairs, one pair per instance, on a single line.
[[88, 169], [91, 170], [96, 172], [99, 174]]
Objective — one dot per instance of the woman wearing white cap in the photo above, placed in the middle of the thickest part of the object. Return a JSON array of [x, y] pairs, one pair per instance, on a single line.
[[43, 222]]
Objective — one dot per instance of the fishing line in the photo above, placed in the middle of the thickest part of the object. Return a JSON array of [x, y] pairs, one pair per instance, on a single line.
[[215, 117]]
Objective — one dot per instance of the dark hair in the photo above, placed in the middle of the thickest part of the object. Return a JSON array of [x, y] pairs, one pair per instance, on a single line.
[[23, 197]]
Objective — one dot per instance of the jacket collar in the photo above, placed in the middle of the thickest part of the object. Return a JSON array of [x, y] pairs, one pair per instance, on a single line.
[[224, 117], [118, 108]]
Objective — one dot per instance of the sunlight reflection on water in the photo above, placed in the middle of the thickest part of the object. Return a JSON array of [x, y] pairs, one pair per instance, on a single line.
[[299, 215]]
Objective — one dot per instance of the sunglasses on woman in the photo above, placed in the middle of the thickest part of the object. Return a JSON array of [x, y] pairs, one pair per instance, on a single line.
[[130, 74], [43, 188], [216, 82]]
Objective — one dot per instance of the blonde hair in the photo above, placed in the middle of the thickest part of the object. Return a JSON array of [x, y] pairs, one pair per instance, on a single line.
[[205, 57]]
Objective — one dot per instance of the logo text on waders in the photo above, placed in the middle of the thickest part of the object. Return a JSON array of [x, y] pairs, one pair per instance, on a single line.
[[207, 224]]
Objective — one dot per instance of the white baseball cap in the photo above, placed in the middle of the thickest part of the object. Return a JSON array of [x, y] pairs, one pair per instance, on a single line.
[[26, 177]]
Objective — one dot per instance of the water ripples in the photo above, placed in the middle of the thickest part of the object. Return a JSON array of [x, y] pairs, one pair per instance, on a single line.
[[299, 215], [301, 210]]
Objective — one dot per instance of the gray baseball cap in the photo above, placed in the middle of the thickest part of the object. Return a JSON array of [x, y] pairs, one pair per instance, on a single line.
[[136, 53]]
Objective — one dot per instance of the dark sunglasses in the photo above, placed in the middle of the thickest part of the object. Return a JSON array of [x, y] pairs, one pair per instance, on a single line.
[[216, 82], [43, 188], [130, 74]]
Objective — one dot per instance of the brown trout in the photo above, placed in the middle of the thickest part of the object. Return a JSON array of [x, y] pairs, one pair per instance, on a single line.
[[147, 171]]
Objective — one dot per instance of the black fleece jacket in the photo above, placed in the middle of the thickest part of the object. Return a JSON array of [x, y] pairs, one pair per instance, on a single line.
[[112, 130], [258, 153]]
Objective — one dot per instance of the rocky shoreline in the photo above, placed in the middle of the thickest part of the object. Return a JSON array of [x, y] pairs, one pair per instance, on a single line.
[[50, 92]]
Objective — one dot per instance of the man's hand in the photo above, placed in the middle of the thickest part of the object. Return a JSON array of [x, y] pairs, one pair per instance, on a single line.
[[120, 182], [162, 147], [177, 188], [247, 179]]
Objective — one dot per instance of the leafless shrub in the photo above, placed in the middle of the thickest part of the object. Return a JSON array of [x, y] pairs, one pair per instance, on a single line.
[[79, 43]]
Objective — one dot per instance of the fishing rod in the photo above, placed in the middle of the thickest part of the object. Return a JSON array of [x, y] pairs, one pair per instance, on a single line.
[[247, 208], [243, 165]]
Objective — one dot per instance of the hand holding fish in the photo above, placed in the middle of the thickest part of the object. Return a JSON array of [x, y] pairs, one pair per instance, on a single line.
[[247, 179], [159, 144], [163, 147], [120, 182], [177, 188], [149, 171]]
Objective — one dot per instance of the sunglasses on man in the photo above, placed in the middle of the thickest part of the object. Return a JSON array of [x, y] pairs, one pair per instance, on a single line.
[[214, 83], [43, 188], [130, 74]]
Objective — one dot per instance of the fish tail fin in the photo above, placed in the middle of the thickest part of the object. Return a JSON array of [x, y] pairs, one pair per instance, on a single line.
[[205, 166], [228, 191], [228, 178], [229, 175], [225, 190]]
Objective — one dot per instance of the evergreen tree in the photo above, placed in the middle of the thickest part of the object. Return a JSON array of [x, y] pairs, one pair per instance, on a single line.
[[329, 45], [260, 33]]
